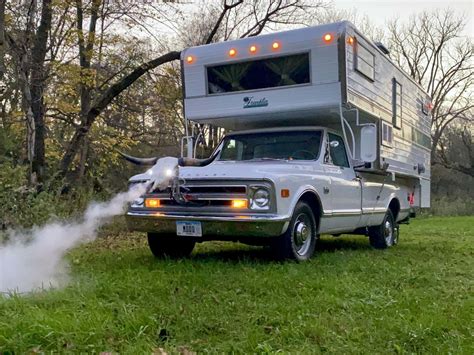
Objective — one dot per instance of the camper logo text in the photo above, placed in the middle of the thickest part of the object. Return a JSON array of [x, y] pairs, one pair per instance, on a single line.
[[250, 102]]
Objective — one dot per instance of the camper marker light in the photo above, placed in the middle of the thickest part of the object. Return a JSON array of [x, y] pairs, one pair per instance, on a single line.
[[152, 203], [189, 59], [276, 45], [285, 193], [253, 49], [350, 40], [327, 37], [232, 52], [239, 204]]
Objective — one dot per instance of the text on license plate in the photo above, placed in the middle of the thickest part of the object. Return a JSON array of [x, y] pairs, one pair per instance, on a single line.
[[189, 229]]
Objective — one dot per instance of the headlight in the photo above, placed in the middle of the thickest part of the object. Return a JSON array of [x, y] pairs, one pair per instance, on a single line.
[[261, 198], [138, 202]]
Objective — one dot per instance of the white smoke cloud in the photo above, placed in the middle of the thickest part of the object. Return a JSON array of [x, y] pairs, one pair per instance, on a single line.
[[34, 259]]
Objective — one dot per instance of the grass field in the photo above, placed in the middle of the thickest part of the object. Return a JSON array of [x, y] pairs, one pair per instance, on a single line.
[[414, 298]]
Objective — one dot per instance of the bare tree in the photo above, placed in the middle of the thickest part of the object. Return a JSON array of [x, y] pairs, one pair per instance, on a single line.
[[430, 47], [264, 13]]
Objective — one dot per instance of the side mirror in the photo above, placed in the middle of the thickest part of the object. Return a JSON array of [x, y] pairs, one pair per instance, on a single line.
[[368, 143]]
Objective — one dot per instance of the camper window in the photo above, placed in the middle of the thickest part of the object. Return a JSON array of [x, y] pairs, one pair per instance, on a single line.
[[364, 61], [259, 74], [397, 103], [338, 151], [387, 134]]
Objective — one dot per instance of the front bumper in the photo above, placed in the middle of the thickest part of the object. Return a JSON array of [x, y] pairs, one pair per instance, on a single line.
[[222, 226]]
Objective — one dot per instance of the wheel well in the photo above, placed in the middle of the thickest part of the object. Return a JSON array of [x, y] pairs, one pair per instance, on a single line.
[[394, 206], [313, 201]]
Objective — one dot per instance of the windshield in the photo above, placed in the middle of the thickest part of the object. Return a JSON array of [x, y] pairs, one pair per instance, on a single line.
[[289, 145]]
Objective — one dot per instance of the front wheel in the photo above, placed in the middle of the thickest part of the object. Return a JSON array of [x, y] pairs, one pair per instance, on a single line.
[[299, 241], [170, 246], [386, 234]]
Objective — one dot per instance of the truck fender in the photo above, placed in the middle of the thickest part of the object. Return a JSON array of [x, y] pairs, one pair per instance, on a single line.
[[300, 193], [393, 203]]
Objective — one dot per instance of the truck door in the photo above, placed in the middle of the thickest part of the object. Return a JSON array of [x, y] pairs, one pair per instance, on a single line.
[[345, 190]]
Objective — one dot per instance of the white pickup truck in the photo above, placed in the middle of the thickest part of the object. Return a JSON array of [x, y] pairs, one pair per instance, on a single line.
[[325, 136]]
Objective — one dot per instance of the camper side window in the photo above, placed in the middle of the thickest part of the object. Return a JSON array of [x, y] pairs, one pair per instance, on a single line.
[[364, 61], [387, 134], [337, 151], [396, 103]]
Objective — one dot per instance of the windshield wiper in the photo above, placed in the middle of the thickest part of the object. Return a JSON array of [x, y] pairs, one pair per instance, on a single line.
[[265, 158]]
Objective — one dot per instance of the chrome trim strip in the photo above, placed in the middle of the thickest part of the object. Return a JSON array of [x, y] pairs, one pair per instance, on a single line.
[[232, 218]]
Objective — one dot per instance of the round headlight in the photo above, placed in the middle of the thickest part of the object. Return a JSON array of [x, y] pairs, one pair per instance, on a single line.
[[261, 198], [138, 202]]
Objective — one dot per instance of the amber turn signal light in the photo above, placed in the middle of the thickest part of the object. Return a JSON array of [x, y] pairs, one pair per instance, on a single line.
[[239, 204], [152, 203], [285, 193]]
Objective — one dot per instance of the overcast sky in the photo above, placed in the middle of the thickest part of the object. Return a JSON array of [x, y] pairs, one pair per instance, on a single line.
[[381, 10]]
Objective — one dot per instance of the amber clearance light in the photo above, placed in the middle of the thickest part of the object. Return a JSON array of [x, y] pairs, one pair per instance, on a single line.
[[232, 52], [189, 59], [276, 45], [152, 203], [239, 203], [253, 49], [327, 37]]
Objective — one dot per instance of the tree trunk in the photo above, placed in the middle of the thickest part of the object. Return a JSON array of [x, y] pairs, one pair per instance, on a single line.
[[2, 38], [37, 87], [83, 160]]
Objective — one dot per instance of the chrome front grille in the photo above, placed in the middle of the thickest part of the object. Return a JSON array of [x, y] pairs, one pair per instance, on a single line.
[[209, 196]]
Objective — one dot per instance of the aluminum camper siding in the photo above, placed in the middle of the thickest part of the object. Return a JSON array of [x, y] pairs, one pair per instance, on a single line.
[[286, 103], [375, 98]]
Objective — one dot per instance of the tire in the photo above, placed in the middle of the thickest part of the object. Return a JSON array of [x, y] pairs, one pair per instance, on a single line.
[[299, 241], [170, 246], [384, 235]]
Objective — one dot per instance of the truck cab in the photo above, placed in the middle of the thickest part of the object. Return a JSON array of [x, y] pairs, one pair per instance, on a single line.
[[321, 140]]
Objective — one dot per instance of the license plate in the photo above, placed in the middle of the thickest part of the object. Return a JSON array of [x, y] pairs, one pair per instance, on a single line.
[[189, 229]]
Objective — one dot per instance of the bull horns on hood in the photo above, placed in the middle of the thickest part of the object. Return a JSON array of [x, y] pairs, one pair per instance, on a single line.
[[139, 161], [181, 161]]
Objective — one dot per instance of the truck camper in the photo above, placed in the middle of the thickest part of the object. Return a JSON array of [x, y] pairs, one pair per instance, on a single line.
[[324, 135]]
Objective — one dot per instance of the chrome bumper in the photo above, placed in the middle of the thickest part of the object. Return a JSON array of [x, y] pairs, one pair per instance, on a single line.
[[222, 226]]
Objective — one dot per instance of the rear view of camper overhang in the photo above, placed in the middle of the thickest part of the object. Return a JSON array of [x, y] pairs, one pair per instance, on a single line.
[[321, 75]]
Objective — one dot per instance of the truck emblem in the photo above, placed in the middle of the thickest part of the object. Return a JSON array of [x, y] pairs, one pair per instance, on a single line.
[[250, 102]]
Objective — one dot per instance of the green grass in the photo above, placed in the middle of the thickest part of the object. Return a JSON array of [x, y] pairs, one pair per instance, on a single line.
[[414, 298]]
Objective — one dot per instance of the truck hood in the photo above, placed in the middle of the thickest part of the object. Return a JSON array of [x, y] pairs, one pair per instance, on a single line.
[[240, 170]]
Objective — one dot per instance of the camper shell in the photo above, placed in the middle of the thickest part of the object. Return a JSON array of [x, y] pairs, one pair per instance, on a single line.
[[336, 77]]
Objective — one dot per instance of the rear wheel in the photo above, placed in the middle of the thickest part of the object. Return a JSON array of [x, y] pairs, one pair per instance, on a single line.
[[170, 245], [386, 234], [299, 241]]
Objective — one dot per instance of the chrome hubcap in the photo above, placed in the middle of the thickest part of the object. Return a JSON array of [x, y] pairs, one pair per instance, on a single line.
[[302, 234], [388, 232]]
